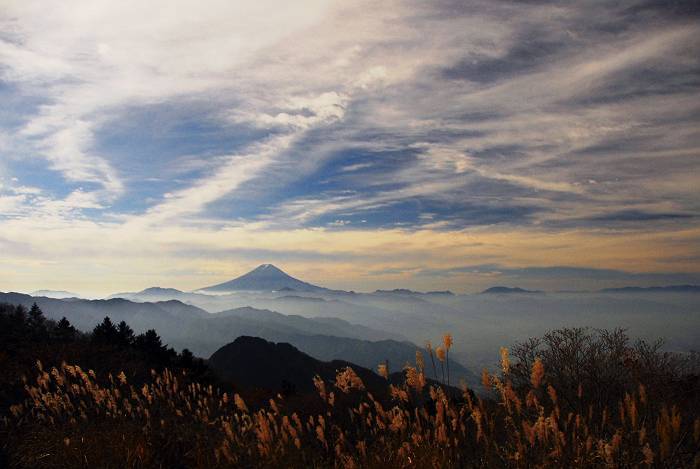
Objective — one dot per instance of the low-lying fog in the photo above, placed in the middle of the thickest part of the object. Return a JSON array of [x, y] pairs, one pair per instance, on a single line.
[[480, 323]]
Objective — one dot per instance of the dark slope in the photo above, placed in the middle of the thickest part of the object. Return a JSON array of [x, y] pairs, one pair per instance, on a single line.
[[324, 339], [251, 362]]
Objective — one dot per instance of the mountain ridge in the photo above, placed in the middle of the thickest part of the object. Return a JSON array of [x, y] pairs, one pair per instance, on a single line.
[[659, 289], [406, 291], [508, 290], [56, 294]]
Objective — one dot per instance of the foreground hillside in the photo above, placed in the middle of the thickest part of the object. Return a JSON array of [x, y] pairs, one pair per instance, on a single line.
[[569, 399]]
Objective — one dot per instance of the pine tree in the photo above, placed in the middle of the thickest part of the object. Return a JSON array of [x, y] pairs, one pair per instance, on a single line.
[[105, 332], [64, 331], [150, 342], [37, 322], [186, 358], [125, 334], [151, 345]]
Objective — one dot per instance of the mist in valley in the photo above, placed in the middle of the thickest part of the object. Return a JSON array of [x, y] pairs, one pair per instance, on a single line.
[[385, 325], [481, 323]]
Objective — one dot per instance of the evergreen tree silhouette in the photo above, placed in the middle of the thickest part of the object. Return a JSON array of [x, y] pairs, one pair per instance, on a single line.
[[151, 345], [125, 334], [64, 330], [37, 322], [186, 358], [105, 332], [150, 342]]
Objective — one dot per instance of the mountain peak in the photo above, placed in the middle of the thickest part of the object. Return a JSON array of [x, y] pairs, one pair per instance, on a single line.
[[268, 268], [56, 294], [160, 290], [508, 290], [265, 277]]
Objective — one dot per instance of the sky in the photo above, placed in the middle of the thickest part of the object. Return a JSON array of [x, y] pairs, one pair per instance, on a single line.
[[357, 145]]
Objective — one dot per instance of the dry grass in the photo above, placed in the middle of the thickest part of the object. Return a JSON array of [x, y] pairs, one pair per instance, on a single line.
[[70, 418]]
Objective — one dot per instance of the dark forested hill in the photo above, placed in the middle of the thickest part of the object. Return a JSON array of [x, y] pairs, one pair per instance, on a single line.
[[254, 362]]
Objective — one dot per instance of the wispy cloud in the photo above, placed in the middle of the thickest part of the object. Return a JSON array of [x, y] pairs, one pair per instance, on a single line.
[[251, 121]]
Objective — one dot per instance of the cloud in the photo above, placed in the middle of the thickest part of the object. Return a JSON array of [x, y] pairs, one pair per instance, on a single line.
[[638, 215], [535, 130], [11, 204], [298, 112], [93, 60], [356, 167]]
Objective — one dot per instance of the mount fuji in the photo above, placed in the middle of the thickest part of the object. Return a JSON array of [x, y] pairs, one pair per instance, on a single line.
[[265, 277]]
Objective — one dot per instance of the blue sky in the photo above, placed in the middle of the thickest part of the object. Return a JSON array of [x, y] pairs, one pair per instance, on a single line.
[[358, 145]]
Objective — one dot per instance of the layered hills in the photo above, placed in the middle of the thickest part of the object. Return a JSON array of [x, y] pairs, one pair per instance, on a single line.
[[187, 326]]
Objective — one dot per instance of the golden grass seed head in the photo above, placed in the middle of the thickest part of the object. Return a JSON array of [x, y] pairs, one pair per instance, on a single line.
[[440, 353], [383, 370], [447, 341], [537, 374], [505, 360]]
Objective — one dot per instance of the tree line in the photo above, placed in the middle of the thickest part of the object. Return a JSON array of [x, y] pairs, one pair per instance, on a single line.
[[26, 332]]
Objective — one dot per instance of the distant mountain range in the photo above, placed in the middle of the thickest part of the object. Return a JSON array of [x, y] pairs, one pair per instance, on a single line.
[[404, 291], [664, 289], [629, 289], [269, 278], [265, 277]]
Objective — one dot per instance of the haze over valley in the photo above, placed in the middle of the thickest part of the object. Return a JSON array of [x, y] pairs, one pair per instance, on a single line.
[[370, 327]]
